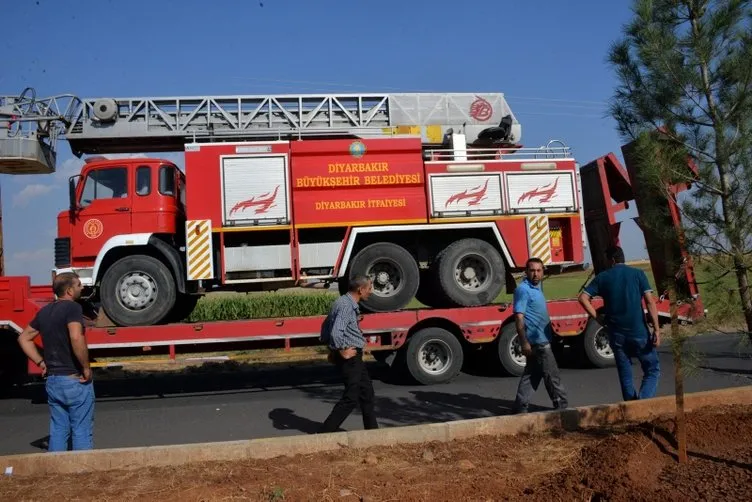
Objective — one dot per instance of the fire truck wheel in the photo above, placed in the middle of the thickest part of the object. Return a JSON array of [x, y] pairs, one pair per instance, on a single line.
[[433, 356], [595, 342], [470, 272], [138, 291], [394, 273], [510, 352]]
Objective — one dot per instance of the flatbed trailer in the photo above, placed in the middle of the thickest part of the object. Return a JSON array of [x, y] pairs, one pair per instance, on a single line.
[[431, 343]]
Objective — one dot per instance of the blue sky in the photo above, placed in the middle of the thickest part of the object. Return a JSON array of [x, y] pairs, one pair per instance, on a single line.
[[547, 56]]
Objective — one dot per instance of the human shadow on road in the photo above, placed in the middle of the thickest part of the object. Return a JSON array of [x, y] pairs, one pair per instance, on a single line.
[[208, 379], [419, 408], [285, 419]]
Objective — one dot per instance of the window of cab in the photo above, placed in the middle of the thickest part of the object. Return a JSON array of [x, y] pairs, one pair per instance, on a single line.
[[167, 180], [143, 180], [108, 183]]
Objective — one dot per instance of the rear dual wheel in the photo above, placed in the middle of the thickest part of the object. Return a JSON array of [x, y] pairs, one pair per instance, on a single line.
[[466, 273], [394, 273]]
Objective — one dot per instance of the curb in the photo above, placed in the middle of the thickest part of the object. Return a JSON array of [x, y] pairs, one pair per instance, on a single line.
[[171, 455]]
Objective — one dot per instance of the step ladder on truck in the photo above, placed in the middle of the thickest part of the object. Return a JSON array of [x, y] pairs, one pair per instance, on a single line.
[[432, 195]]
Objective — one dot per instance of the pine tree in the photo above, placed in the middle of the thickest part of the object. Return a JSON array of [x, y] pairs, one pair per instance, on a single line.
[[685, 75], [685, 67]]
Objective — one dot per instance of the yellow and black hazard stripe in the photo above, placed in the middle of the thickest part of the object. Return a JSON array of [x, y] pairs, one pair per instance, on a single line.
[[198, 248], [539, 239]]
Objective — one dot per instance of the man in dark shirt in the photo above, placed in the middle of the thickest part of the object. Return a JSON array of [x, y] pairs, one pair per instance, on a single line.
[[341, 333], [70, 391], [623, 289]]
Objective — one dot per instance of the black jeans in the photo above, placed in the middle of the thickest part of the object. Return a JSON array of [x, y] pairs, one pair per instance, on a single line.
[[358, 390], [541, 365]]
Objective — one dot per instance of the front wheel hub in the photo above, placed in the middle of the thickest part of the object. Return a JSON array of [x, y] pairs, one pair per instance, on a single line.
[[136, 291]]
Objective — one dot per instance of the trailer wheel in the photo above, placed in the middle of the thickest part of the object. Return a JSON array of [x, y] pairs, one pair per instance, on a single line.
[[433, 356], [470, 272], [510, 351], [138, 290], [394, 273], [595, 342]]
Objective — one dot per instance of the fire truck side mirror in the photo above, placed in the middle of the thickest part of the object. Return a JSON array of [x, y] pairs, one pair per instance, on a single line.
[[72, 193]]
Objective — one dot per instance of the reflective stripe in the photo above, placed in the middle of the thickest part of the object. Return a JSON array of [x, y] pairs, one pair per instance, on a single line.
[[198, 248], [539, 243]]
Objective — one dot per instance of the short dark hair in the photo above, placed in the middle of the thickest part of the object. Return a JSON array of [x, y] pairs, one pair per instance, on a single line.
[[615, 253], [533, 260], [62, 282], [357, 282]]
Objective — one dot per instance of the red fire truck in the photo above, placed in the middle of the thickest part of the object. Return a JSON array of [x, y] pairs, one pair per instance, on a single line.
[[432, 195]]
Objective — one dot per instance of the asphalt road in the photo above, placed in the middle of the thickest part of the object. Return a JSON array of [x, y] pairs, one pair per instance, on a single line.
[[254, 403]]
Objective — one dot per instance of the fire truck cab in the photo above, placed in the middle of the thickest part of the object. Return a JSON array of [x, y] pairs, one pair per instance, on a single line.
[[122, 233]]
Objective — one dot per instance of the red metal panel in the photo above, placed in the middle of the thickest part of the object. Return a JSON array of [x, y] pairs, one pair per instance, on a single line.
[[204, 173], [358, 182], [514, 233]]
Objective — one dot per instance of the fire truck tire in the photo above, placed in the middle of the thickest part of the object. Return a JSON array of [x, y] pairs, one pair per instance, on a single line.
[[138, 290], [433, 356], [394, 272], [510, 352], [595, 344], [470, 272]]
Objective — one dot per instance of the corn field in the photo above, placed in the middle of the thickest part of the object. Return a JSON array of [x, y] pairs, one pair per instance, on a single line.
[[239, 307]]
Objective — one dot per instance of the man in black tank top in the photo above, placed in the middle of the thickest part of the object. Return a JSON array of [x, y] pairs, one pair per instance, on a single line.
[[70, 391]]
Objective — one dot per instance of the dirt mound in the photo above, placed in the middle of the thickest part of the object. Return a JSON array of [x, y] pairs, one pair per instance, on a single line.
[[619, 464]]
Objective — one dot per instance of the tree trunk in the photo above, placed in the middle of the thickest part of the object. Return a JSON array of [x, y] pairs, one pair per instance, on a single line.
[[677, 350]]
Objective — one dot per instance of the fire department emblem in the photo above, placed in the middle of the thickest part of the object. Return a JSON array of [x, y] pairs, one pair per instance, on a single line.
[[481, 110], [93, 228], [357, 149]]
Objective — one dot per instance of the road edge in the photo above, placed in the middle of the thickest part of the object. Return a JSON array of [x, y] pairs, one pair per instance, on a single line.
[[171, 455]]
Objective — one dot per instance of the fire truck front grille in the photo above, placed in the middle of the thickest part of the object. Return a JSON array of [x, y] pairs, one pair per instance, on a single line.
[[62, 252]]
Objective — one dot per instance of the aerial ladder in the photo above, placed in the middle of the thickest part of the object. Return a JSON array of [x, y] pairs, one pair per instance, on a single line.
[[151, 124]]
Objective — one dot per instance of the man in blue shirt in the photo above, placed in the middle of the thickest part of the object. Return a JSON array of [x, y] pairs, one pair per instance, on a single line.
[[535, 333], [622, 289]]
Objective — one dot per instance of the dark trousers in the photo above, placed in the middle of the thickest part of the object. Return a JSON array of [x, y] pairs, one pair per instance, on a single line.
[[541, 365], [358, 391]]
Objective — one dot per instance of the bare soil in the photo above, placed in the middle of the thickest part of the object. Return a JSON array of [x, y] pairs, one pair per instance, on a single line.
[[632, 463]]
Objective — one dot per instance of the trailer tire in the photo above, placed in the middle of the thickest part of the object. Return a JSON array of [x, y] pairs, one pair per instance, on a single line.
[[150, 298], [433, 356], [510, 352], [386, 264], [470, 272], [596, 347]]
